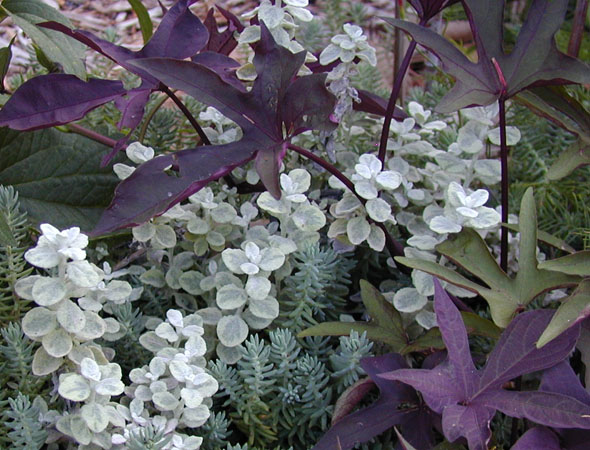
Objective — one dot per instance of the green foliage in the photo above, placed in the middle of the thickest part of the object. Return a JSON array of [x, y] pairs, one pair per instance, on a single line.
[[22, 419], [346, 361], [317, 288], [147, 438], [560, 204], [57, 176], [215, 432], [12, 264], [129, 351], [280, 393]]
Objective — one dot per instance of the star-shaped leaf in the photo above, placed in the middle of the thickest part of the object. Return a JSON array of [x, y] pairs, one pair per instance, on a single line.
[[534, 60], [397, 404], [274, 104], [504, 294], [467, 397]]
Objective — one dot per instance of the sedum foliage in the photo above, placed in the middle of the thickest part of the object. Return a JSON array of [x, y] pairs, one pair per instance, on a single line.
[[281, 392]]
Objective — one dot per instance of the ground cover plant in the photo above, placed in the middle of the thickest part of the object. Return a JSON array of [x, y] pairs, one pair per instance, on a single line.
[[228, 238]]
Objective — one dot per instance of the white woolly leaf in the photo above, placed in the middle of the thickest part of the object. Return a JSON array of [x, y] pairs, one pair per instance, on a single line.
[[267, 308], [57, 343], [358, 230], [82, 274], [95, 416], [309, 218], [144, 232], [165, 401], [378, 209], [408, 300], [38, 322], [258, 287], [165, 237], [224, 213], [94, 328], [44, 363], [90, 369], [376, 238], [49, 291], [230, 297], [73, 387], [70, 316], [232, 330], [271, 259]]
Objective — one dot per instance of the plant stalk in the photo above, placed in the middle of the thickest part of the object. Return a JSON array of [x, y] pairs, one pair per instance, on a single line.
[[187, 113], [78, 129], [575, 42], [395, 91], [149, 117], [504, 186], [394, 247]]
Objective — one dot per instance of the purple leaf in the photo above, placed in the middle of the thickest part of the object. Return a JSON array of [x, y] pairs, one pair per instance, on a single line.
[[222, 65], [561, 379], [544, 408], [516, 352], [222, 42], [467, 421], [538, 438], [56, 99], [468, 398], [427, 9], [534, 60], [180, 34], [454, 335], [367, 423], [351, 397], [374, 104], [152, 189]]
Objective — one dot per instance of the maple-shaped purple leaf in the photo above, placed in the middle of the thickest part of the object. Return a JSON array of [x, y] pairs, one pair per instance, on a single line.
[[273, 104], [467, 398], [427, 9], [534, 60], [55, 99], [384, 413], [561, 379], [222, 42], [538, 438]]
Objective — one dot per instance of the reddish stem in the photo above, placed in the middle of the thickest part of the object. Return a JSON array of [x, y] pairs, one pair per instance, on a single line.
[[395, 91], [394, 247]]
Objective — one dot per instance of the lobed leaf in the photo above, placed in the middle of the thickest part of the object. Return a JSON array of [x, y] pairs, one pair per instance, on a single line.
[[56, 99], [162, 182]]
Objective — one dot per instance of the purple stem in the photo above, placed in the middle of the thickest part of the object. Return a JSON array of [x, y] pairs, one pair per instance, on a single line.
[[573, 48], [187, 113], [395, 91], [394, 247], [78, 129], [505, 186]]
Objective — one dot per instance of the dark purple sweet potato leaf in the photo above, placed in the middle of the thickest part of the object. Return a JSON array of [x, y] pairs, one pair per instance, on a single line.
[[152, 189], [561, 379], [427, 9], [374, 104], [180, 34], [367, 423], [222, 42], [534, 60], [467, 398], [222, 65], [55, 99], [350, 398], [538, 438]]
